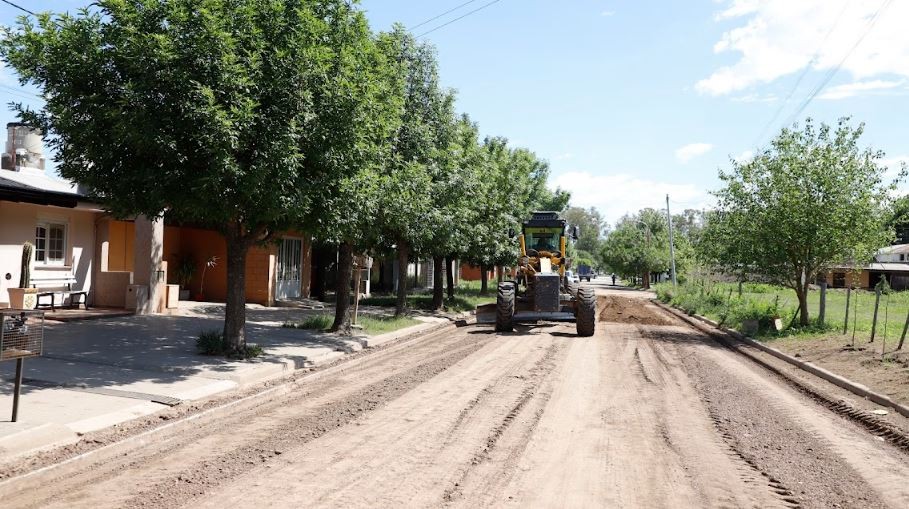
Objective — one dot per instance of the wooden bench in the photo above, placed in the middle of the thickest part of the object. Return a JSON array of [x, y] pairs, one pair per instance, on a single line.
[[61, 280]]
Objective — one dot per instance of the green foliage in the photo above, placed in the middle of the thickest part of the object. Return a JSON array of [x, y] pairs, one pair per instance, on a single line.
[[211, 342], [814, 198], [638, 244], [317, 322], [591, 226]]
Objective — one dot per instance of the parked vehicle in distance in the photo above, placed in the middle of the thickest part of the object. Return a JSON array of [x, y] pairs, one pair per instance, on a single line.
[[571, 277], [585, 272]]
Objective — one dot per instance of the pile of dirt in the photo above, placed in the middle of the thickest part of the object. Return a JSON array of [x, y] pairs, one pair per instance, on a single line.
[[612, 308]]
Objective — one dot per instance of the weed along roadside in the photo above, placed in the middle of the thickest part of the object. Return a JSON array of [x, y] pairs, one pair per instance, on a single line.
[[878, 364]]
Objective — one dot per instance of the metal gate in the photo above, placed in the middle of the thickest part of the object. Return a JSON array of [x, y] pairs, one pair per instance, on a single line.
[[290, 269]]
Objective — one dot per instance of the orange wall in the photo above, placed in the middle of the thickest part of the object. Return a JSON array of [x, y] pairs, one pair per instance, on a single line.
[[122, 246], [203, 244], [471, 273]]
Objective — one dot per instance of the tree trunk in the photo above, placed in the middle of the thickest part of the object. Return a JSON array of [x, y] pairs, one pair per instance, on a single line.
[[342, 288], [646, 279], [401, 304], [438, 285], [449, 275], [802, 294], [501, 273], [235, 310], [484, 279]]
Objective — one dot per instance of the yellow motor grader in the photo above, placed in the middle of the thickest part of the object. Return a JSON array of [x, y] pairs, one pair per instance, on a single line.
[[540, 290]]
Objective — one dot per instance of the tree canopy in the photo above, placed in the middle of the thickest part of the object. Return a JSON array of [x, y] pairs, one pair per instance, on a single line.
[[812, 199]]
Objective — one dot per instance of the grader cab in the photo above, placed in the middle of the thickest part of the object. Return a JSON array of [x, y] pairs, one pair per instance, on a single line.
[[539, 290]]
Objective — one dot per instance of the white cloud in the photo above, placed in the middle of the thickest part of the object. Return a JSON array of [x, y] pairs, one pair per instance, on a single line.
[[756, 98], [894, 165], [692, 150], [620, 194], [775, 38], [856, 88], [563, 157], [745, 157], [607, 13]]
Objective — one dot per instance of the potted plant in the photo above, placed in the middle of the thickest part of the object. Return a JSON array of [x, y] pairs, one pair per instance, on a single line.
[[24, 297], [185, 272]]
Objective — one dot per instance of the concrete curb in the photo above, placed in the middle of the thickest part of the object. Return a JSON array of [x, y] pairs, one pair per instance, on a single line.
[[840, 381]]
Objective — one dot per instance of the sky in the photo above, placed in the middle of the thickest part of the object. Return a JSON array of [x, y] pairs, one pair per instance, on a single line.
[[632, 100]]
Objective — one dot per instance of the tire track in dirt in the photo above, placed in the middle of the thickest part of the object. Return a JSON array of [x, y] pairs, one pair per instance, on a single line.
[[795, 464], [187, 466], [489, 467]]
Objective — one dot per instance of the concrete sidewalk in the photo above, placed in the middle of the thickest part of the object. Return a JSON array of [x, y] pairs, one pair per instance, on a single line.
[[95, 374]]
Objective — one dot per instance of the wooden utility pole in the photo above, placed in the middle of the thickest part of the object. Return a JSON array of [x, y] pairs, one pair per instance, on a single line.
[[671, 243]]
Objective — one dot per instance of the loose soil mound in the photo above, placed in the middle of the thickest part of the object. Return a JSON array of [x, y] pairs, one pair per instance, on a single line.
[[625, 310]]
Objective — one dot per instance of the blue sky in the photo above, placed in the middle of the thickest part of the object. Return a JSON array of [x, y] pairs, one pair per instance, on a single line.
[[630, 100]]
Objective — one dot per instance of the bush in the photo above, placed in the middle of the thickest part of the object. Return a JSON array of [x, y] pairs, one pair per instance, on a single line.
[[211, 342], [317, 322]]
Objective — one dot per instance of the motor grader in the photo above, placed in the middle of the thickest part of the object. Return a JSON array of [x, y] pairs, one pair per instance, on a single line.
[[539, 290]]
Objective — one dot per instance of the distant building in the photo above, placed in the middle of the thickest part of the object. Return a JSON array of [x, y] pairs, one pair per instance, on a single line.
[[890, 263]]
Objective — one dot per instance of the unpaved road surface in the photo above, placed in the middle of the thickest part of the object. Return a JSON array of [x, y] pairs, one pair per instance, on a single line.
[[647, 413]]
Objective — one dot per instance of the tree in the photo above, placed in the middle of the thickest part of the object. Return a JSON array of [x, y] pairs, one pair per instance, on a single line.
[[405, 183], [204, 110], [359, 115], [638, 246], [591, 226], [898, 220], [812, 199]]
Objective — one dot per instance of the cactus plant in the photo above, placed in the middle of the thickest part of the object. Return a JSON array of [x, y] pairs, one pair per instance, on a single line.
[[25, 276]]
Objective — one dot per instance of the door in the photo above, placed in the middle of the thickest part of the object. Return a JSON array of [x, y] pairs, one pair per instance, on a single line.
[[290, 269]]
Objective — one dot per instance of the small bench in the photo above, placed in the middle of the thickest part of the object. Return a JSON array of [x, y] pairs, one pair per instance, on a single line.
[[58, 280]]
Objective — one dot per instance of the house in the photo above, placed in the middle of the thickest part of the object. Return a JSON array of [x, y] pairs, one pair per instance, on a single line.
[[890, 263], [131, 263]]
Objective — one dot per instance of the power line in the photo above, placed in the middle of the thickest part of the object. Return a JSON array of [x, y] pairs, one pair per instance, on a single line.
[[19, 92], [443, 25], [23, 9], [449, 11], [836, 69], [802, 75]]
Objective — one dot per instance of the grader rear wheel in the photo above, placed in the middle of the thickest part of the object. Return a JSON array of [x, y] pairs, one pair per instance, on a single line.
[[587, 310], [505, 308]]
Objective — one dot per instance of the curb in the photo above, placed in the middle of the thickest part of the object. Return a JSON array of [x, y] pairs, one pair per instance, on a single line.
[[840, 381]]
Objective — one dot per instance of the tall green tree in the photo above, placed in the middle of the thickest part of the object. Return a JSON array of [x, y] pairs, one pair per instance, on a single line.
[[812, 199], [204, 110], [591, 226], [638, 245], [359, 116], [405, 183]]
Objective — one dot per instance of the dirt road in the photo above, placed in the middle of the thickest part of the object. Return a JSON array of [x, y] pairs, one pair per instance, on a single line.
[[647, 413]]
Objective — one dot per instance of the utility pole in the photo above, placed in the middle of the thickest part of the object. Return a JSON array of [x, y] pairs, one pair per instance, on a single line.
[[671, 242]]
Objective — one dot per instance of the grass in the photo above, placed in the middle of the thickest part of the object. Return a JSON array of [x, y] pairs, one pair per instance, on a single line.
[[372, 325], [721, 302], [211, 342], [467, 298]]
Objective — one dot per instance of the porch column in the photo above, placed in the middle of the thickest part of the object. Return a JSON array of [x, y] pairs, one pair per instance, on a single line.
[[148, 269]]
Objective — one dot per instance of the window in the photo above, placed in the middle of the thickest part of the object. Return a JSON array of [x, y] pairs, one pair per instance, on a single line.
[[50, 243]]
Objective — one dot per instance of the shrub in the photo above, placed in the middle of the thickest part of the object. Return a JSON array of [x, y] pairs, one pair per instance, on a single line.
[[211, 342], [318, 322]]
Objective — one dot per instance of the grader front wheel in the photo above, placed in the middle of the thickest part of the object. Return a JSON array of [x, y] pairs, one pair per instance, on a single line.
[[587, 310]]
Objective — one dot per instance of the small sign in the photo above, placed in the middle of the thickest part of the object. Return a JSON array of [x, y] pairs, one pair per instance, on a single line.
[[21, 334]]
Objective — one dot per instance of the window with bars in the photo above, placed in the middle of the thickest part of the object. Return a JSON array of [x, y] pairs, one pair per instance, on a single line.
[[50, 244]]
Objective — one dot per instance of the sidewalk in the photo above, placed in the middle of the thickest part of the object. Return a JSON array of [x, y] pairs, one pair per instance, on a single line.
[[95, 374]]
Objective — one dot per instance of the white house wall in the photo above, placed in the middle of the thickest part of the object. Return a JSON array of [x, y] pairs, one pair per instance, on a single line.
[[17, 225]]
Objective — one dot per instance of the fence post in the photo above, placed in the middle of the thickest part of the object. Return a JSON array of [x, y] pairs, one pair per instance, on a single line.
[[877, 303], [903, 337], [820, 314], [846, 321]]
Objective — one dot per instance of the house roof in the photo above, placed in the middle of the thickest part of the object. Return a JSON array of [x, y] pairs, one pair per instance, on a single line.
[[31, 186], [878, 267], [895, 249]]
